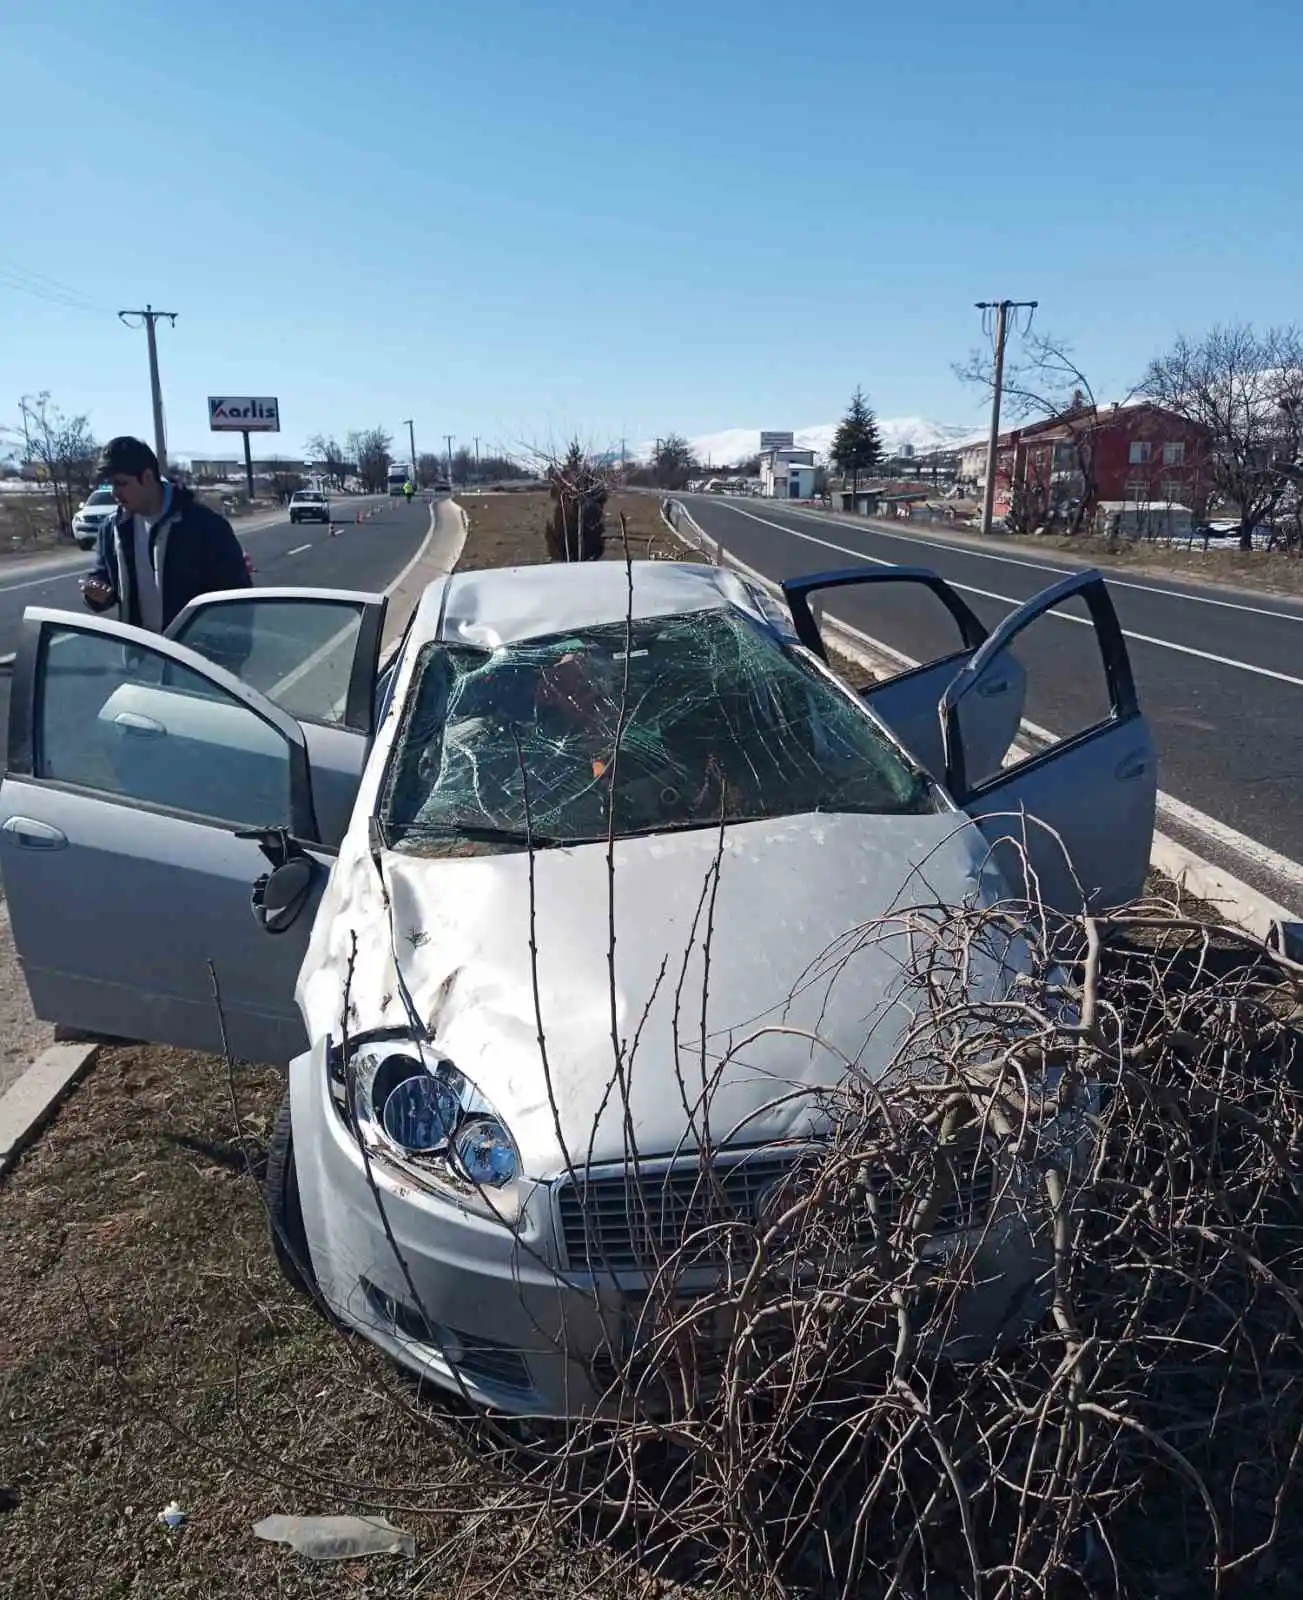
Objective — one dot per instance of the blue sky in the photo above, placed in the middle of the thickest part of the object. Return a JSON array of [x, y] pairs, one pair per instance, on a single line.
[[517, 219]]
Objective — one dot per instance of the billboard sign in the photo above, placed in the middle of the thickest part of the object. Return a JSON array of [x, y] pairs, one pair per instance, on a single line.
[[244, 414], [776, 441]]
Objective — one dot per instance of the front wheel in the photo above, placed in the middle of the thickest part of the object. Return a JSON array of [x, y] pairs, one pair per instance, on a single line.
[[280, 1186]]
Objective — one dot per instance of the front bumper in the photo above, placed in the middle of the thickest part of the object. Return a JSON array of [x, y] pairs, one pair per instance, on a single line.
[[490, 1313], [465, 1301]]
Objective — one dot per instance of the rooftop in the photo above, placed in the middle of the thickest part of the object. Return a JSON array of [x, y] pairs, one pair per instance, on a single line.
[[504, 605]]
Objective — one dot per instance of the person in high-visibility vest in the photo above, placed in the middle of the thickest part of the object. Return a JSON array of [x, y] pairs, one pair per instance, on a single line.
[[409, 489]]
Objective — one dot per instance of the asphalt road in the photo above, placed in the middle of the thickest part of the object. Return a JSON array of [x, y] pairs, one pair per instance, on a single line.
[[303, 554], [1219, 672]]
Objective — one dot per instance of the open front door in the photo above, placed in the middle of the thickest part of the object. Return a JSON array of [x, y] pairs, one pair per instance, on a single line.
[[908, 701], [315, 654], [137, 771], [1071, 819]]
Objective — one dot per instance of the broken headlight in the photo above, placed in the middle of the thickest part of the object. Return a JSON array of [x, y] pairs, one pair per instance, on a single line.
[[415, 1107]]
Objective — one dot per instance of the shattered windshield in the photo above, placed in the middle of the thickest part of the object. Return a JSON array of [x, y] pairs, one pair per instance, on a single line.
[[721, 723]]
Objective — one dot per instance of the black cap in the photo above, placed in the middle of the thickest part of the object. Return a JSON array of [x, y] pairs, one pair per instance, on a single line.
[[127, 457]]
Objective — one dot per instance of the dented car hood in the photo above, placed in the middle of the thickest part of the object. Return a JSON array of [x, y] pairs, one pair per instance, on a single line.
[[732, 955]]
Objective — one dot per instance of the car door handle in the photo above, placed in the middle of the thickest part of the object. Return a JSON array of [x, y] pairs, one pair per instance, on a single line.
[[1132, 767], [33, 835], [138, 726], [989, 690]]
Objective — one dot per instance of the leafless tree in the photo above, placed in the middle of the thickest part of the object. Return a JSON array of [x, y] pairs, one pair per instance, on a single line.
[[429, 470], [1246, 389], [62, 448], [1043, 382], [579, 486], [371, 449], [327, 450], [283, 476]]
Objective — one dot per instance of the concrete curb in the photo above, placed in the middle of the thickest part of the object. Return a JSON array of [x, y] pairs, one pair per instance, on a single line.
[[447, 536], [29, 1104], [1236, 901]]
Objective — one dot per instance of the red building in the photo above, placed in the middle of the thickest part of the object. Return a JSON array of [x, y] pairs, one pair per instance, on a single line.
[[1062, 469]]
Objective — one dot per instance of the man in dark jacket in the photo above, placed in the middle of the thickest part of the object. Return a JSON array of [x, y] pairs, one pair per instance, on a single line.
[[164, 548]]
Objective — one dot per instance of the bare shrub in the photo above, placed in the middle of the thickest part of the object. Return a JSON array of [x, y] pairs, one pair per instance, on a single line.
[[808, 1401], [576, 529]]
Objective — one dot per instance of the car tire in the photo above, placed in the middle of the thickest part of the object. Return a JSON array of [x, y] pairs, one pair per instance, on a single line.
[[289, 1237]]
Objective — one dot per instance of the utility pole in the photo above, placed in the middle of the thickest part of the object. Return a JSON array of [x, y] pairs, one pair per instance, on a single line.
[[1002, 308], [411, 439], [148, 318], [477, 455], [448, 440]]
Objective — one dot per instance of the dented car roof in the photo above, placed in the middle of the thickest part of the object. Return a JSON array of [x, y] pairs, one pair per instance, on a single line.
[[504, 605]]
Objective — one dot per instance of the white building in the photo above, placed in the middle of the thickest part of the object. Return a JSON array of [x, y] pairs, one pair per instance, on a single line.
[[787, 474]]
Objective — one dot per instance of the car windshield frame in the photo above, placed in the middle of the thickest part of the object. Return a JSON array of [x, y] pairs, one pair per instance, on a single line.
[[696, 720], [99, 498]]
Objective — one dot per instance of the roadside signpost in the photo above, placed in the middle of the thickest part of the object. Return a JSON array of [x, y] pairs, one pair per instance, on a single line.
[[244, 414]]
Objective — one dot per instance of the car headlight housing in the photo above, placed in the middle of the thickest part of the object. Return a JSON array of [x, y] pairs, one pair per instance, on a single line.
[[413, 1108]]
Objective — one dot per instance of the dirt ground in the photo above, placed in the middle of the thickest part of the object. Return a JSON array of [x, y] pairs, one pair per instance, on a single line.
[[507, 529], [1274, 572], [150, 1352]]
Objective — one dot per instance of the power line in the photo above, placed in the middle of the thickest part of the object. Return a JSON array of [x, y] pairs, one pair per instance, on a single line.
[[36, 284]]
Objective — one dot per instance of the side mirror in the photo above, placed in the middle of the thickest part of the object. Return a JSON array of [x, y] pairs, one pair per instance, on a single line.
[[279, 896]]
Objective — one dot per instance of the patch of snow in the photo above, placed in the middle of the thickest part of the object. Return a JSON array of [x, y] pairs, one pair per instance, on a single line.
[[731, 445]]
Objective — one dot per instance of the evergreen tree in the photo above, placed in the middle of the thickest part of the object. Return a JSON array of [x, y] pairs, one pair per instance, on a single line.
[[857, 445]]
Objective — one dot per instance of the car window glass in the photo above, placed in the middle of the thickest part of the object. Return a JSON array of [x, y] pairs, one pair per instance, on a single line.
[[1067, 685], [126, 721], [299, 653], [670, 722]]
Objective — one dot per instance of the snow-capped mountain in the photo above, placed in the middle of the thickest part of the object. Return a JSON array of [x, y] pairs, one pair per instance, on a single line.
[[731, 445]]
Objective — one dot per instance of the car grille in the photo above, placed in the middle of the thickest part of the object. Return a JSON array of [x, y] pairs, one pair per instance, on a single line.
[[631, 1221]]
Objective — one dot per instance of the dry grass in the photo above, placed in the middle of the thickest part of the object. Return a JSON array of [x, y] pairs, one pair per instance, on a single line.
[[507, 529], [150, 1351], [1275, 571], [28, 524]]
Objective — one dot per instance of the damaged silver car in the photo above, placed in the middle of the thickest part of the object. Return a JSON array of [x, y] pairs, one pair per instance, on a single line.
[[502, 902]]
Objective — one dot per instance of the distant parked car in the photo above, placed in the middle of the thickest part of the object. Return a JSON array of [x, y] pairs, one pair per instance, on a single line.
[[309, 505], [98, 509]]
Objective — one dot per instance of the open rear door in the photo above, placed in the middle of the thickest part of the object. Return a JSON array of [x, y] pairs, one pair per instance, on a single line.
[[1071, 817], [908, 701]]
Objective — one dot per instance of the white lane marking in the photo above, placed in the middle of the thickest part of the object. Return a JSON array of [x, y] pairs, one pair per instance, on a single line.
[[1250, 850], [36, 583], [1009, 600], [1062, 572], [298, 550]]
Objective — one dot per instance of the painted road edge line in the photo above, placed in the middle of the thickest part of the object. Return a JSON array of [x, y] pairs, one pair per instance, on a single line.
[[1238, 901], [31, 1101]]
